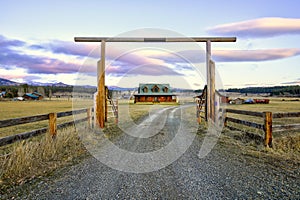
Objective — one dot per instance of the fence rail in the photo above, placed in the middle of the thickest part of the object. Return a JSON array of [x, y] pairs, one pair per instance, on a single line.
[[246, 123], [53, 126], [268, 127]]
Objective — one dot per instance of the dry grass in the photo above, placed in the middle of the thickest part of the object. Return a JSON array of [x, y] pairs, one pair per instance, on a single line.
[[31, 158], [286, 144], [39, 156]]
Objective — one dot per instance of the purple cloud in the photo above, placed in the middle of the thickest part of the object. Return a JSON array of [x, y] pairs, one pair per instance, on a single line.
[[10, 58], [149, 70], [253, 55], [262, 27], [126, 62], [291, 83], [6, 43], [195, 56], [188, 56]]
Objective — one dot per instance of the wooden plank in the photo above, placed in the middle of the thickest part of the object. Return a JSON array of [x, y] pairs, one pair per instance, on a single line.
[[23, 120], [243, 122], [22, 136], [245, 112], [36, 118], [52, 124], [268, 128], [156, 39], [69, 113], [289, 114], [279, 128]]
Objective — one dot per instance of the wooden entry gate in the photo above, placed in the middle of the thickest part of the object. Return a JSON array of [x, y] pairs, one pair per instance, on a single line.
[[210, 68]]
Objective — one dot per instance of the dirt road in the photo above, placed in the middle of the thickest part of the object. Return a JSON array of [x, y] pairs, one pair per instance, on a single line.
[[225, 173]]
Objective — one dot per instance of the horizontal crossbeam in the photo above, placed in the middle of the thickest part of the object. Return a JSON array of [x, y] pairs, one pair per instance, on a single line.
[[155, 39]]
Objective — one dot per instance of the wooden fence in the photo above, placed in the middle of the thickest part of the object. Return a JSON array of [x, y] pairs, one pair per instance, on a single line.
[[53, 126], [267, 126]]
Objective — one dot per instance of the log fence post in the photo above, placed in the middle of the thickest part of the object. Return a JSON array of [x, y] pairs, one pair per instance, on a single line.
[[117, 112], [268, 128], [52, 124]]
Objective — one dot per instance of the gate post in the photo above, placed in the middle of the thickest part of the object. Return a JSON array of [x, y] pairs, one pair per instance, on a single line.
[[100, 99], [212, 96], [208, 73]]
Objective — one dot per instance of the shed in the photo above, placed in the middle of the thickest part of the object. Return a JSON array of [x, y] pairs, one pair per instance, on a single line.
[[30, 96]]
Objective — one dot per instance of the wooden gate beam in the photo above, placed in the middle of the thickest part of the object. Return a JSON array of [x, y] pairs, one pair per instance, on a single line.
[[155, 39]]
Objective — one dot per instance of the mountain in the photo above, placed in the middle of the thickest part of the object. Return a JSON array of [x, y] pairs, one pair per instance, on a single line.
[[117, 88], [8, 82], [60, 84]]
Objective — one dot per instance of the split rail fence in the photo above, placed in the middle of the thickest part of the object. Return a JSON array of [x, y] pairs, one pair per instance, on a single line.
[[267, 126], [52, 128]]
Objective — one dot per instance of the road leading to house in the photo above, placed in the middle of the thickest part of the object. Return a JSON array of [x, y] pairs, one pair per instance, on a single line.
[[225, 173]]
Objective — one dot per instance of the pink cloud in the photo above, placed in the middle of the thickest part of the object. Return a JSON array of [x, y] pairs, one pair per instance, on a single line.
[[262, 27]]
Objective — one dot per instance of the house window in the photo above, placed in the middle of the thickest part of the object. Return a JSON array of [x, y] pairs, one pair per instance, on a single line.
[[155, 88], [145, 89], [166, 89]]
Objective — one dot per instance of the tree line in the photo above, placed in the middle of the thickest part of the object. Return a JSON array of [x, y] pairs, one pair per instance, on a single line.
[[47, 91], [275, 90]]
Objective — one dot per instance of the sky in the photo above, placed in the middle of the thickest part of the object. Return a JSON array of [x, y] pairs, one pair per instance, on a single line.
[[37, 42]]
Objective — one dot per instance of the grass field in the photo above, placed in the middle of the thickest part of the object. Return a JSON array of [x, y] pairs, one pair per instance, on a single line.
[[276, 105], [16, 109]]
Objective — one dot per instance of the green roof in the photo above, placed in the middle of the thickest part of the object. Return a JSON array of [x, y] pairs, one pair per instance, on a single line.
[[154, 88]]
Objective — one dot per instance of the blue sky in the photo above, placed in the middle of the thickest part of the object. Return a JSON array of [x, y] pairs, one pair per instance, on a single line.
[[37, 41]]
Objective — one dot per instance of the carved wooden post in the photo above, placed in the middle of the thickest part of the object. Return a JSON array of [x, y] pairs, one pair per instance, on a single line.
[[52, 124], [100, 99], [212, 96], [208, 78], [268, 128]]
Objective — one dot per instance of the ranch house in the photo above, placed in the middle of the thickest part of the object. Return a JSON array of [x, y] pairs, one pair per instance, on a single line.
[[154, 93]]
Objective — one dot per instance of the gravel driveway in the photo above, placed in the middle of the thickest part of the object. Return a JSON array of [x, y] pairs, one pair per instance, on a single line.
[[225, 173]]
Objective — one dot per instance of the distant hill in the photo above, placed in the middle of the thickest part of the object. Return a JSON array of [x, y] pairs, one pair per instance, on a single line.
[[8, 82]]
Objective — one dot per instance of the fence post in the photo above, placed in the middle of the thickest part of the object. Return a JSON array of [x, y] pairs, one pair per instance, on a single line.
[[89, 117], [106, 102], [117, 112], [225, 118], [52, 124], [268, 128]]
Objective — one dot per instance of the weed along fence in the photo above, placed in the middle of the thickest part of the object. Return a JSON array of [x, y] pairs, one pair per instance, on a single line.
[[267, 126], [52, 127]]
